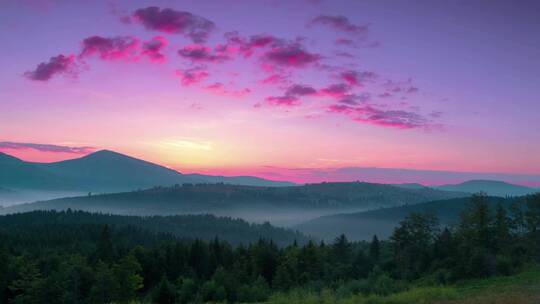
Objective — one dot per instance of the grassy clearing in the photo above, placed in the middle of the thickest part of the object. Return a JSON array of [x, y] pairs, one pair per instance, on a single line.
[[523, 288]]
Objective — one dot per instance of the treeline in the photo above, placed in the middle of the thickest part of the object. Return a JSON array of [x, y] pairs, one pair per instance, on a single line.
[[102, 264], [200, 226]]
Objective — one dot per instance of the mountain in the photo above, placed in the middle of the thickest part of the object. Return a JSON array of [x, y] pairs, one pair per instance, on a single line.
[[279, 205], [363, 225], [491, 187], [410, 186], [51, 224], [18, 174], [103, 171]]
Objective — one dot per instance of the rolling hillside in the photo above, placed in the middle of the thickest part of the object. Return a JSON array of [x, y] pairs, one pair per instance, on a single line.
[[363, 225], [281, 205], [491, 187]]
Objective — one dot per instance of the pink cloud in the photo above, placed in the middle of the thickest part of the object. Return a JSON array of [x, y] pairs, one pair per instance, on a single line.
[[121, 47], [45, 147], [288, 101], [237, 44], [192, 75], [176, 22], [200, 53], [291, 55], [60, 64], [218, 88], [153, 49], [336, 90], [355, 78], [275, 79], [300, 90]]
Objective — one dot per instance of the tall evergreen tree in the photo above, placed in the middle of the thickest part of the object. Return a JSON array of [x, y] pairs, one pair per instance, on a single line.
[[375, 249]]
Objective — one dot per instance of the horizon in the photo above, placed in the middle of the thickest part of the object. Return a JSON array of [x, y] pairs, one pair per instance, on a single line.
[[414, 177], [302, 91]]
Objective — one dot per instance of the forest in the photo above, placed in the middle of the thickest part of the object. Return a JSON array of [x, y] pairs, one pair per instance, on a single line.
[[63, 260]]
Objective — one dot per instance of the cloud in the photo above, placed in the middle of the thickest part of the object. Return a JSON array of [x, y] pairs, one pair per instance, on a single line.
[[200, 53], [153, 49], [355, 78], [340, 23], [336, 90], [121, 47], [192, 75], [354, 99], [412, 90], [45, 147], [56, 65], [218, 88], [291, 55], [300, 90], [283, 101], [237, 44], [387, 118], [175, 22], [345, 42], [291, 96], [275, 79]]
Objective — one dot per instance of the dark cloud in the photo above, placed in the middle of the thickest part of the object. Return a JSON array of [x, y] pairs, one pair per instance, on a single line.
[[56, 65], [121, 47], [387, 118], [291, 55], [355, 78], [176, 22], [246, 46], [340, 23], [153, 48], [45, 147], [200, 53], [336, 90], [300, 90]]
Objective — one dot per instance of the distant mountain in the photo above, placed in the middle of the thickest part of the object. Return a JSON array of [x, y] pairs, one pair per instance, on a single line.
[[410, 186], [103, 171], [495, 188], [205, 227], [363, 225], [280, 205], [15, 173]]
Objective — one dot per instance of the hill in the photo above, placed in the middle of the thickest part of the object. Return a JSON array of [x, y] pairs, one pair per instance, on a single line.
[[363, 225], [281, 205], [204, 227], [104, 171], [491, 187]]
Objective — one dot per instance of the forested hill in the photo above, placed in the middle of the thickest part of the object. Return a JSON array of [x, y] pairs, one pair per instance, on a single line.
[[74, 228], [245, 200], [363, 225]]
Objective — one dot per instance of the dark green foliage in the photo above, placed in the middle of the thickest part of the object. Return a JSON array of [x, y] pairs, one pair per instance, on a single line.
[[75, 257]]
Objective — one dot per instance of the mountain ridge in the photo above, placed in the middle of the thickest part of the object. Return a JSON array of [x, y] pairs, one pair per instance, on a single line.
[[104, 171]]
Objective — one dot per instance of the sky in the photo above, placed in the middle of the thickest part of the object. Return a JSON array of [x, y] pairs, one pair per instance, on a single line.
[[273, 88]]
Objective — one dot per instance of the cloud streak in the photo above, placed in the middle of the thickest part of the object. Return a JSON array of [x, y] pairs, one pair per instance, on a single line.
[[45, 147]]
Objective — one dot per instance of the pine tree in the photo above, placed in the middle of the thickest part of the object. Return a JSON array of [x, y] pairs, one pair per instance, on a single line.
[[375, 249], [105, 250]]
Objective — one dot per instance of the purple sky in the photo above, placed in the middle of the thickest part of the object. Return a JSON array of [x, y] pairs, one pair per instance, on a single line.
[[268, 87]]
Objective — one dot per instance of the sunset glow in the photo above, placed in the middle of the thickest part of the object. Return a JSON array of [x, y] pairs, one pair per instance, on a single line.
[[283, 90]]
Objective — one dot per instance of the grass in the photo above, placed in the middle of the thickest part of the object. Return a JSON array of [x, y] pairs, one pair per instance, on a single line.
[[522, 288]]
